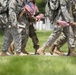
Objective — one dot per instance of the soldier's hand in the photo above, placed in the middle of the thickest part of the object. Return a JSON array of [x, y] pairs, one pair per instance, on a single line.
[[32, 19], [72, 23]]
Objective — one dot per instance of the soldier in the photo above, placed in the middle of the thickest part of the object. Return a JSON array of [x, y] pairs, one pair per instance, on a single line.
[[3, 13], [58, 8], [32, 35], [34, 15], [15, 26], [62, 40]]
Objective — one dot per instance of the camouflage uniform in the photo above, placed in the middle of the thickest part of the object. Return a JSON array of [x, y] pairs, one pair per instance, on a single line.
[[3, 13], [33, 36], [63, 15], [25, 35], [73, 15], [13, 32], [3, 19], [32, 33], [62, 40]]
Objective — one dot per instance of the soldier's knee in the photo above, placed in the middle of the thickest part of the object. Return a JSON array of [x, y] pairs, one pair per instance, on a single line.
[[57, 30]]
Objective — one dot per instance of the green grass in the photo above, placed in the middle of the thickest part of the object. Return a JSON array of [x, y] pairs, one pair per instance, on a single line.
[[37, 65], [1, 38]]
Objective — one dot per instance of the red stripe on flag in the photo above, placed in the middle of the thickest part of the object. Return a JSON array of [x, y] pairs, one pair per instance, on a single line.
[[28, 8]]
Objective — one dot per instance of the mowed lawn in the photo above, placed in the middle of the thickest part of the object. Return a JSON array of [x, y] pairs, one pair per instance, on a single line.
[[36, 64]]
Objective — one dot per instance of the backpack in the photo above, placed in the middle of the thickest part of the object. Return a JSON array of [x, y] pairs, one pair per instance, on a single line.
[[3, 6]]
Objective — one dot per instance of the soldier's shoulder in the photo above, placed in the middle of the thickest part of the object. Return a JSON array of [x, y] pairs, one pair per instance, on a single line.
[[12, 2], [62, 2]]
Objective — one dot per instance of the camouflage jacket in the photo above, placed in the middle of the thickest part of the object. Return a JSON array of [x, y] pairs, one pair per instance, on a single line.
[[14, 8], [61, 10], [3, 6], [71, 5], [74, 7]]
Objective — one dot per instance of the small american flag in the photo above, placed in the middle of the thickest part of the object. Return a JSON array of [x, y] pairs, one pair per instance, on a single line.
[[31, 8]]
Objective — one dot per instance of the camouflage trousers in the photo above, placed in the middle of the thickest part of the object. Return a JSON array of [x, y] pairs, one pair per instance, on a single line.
[[9, 35], [33, 36], [62, 40], [24, 35], [68, 32]]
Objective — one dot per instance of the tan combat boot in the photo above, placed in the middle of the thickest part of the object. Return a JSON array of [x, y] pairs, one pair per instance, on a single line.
[[52, 49], [71, 52], [4, 53], [41, 50], [56, 50]]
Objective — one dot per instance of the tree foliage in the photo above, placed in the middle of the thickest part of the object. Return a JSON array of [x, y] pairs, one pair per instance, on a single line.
[[41, 5]]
